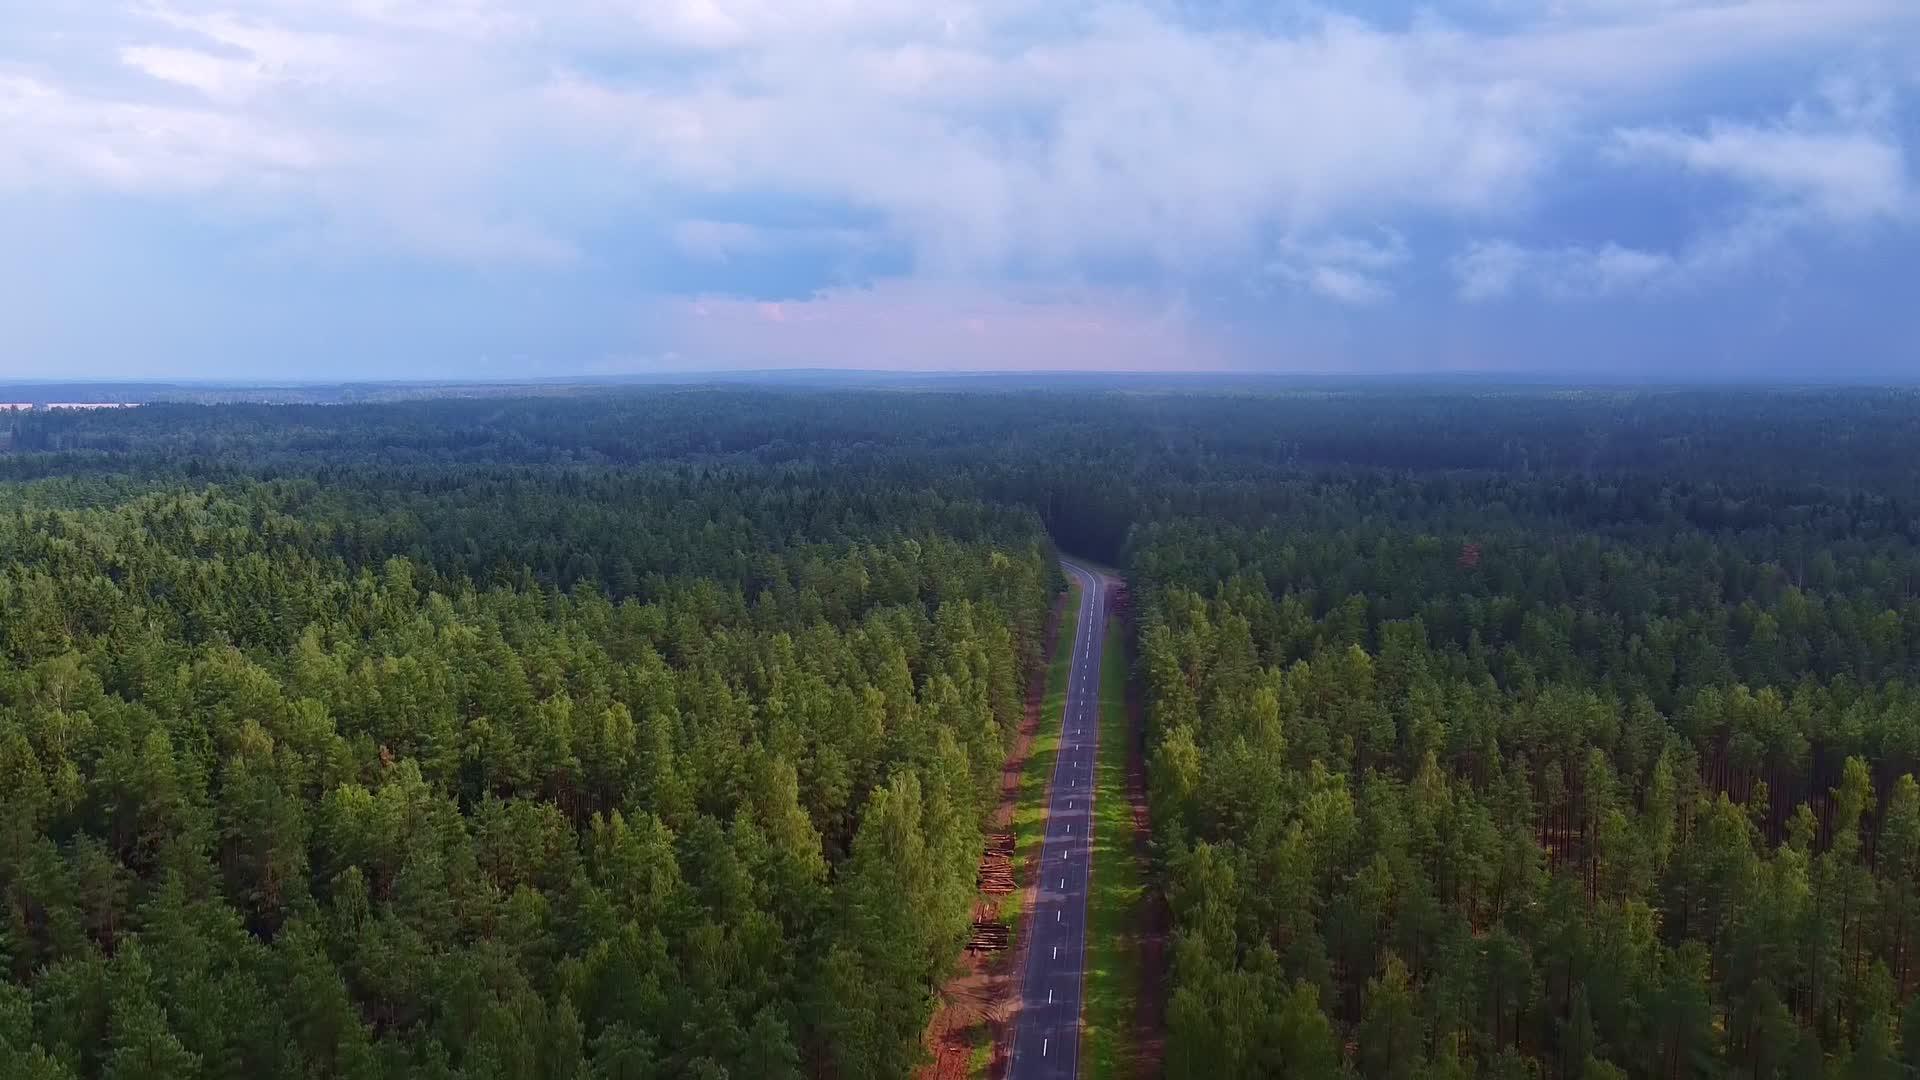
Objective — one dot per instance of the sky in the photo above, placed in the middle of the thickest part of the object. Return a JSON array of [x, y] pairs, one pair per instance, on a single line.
[[399, 189]]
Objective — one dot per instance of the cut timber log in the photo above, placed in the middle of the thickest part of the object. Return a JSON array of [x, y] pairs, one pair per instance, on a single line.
[[996, 865], [996, 880], [989, 937]]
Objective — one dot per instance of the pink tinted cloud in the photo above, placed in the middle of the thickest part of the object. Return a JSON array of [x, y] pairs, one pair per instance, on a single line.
[[901, 326]]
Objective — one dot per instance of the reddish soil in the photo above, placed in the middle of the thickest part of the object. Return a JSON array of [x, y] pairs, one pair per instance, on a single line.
[[980, 998]]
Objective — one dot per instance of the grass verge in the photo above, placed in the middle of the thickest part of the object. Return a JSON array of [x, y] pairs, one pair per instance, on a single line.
[[980, 1062], [1030, 811], [1119, 885]]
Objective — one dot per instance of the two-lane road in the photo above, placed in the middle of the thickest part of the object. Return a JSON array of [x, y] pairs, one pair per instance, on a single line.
[[1046, 1041]]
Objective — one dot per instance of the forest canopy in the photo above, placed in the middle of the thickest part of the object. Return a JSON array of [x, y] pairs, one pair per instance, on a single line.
[[1504, 732], [491, 769]]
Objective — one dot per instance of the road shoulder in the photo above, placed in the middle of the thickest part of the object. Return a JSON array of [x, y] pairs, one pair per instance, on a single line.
[[1112, 1034], [971, 1031]]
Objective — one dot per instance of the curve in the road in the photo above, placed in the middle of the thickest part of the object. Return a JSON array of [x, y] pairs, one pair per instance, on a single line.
[[1046, 1042]]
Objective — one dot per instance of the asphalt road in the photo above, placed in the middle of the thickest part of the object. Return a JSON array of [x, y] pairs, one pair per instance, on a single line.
[[1046, 1041]]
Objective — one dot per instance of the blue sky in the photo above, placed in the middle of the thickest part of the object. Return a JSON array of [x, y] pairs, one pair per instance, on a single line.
[[408, 189]]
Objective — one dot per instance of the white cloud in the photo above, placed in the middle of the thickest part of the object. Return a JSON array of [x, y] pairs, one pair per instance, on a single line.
[[1824, 169], [1348, 286], [1608, 270], [1489, 269], [1492, 270], [234, 59], [1845, 176], [987, 138], [1634, 51], [1352, 269], [55, 138], [223, 78], [1497, 269], [1382, 250], [1135, 139]]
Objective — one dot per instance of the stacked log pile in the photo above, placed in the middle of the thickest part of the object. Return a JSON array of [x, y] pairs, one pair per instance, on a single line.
[[996, 865], [989, 935]]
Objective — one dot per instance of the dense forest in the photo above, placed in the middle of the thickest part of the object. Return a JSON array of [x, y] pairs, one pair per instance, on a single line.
[[1557, 772], [327, 774], [1491, 731]]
